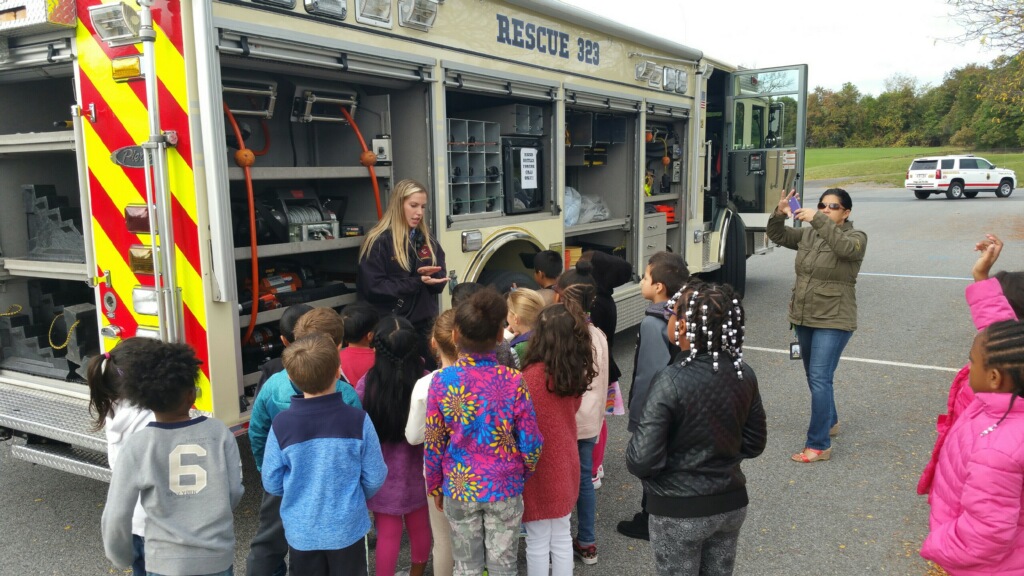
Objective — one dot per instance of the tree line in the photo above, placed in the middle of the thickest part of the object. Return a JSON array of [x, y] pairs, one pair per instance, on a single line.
[[977, 106]]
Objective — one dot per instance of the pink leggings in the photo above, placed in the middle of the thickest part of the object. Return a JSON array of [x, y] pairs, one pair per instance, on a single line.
[[389, 538], [602, 441]]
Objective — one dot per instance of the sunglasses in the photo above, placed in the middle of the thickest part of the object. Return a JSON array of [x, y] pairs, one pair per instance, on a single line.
[[830, 206]]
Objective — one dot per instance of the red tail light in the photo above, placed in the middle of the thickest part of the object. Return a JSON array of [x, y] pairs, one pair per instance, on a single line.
[[938, 174]]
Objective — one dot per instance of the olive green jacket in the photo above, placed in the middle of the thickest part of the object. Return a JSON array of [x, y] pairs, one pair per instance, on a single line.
[[828, 258]]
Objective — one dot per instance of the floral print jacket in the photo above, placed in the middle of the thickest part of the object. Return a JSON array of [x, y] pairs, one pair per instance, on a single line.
[[481, 439]]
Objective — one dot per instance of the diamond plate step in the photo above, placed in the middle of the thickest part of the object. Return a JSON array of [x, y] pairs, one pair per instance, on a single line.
[[66, 458], [49, 415]]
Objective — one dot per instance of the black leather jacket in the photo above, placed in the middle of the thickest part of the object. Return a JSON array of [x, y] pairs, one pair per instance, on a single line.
[[696, 428]]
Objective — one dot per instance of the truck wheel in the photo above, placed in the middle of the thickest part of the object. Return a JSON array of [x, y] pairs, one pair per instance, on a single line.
[[922, 194], [1005, 189], [734, 270], [970, 194], [955, 191]]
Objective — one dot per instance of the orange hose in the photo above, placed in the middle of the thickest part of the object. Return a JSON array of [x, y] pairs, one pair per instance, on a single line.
[[252, 221], [373, 173], [266, 132], [266, 139]]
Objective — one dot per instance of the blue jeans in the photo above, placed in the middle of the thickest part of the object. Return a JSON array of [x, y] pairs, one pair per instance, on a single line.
[[229, 572], [820, 349], [586, 504], [139, 562]]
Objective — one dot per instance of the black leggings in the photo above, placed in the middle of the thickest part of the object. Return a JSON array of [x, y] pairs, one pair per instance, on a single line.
[[350, 561]]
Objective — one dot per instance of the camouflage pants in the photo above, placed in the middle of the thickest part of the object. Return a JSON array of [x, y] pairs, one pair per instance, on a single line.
[[484, 530]]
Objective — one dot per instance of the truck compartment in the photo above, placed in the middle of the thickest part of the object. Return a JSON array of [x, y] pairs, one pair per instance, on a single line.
[[314, 198], [48, 323]]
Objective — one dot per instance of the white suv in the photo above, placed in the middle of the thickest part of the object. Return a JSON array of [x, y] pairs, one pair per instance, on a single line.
[[958, 177]]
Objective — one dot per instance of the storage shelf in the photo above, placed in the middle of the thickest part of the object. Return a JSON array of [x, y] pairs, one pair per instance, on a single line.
[[661, 198], [308, 172], [275, 314], [289, 248], [46, 269], [602, 226], [477, 216], [672, 226], [62, 141]]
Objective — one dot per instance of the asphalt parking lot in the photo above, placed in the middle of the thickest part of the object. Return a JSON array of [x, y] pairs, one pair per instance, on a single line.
[[856, 514]]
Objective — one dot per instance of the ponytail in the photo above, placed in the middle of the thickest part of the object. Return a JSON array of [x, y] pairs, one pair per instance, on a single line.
[[103, 389], [105, 372], [577, 288]]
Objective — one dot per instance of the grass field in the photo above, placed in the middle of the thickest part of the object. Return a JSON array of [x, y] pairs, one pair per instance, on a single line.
[[887, 166]]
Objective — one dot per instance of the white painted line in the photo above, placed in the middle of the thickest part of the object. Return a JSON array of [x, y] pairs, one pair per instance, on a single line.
[[866, 360], [916, 276]]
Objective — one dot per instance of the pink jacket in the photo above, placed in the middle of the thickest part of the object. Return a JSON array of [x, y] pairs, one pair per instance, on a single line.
[[988, 305], [977, 499]]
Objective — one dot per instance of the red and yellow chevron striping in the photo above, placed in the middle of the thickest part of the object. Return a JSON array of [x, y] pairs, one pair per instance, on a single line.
[[121, 120]]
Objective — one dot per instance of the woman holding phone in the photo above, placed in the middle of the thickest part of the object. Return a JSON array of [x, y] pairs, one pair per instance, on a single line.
[[401, 265], [823, 309]]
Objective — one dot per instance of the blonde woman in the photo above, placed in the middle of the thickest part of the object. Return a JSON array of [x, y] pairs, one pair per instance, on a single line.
[[401, 265], [524, 306]]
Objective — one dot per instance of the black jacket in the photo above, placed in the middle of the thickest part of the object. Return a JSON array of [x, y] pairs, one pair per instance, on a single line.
[[696, 428], [389, 287], [610, 272]]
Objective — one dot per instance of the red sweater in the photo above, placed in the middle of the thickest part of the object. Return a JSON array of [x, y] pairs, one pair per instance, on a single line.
[[552, 490], [355, 362]]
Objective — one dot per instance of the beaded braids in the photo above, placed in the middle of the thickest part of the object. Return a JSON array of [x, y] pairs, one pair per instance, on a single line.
[[1004, 351], [714, 323]]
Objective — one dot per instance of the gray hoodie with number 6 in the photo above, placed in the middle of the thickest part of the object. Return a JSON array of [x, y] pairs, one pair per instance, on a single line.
[[189, 477]]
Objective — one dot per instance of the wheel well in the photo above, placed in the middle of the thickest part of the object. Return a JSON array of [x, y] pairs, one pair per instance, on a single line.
[[956, 180], [1010, 180], [503, 253]]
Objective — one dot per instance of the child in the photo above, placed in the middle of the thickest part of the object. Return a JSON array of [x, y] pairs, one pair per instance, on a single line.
[[976, 524], [323, 461], [559, 369], [187, 471], [120, 418], [547, 267], [609, 272], [524, 306], [988, 299], [665, 275], [482, 442], [286, 325], [357, 356], [269, 546], [702, 418], [444, 347], [460, 294], [385, 392], [577, 290]]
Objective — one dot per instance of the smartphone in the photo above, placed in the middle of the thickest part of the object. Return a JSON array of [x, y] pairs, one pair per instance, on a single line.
[[794, 205]]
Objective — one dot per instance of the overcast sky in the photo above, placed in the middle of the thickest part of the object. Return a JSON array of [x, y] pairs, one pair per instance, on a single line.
[[862, 42]]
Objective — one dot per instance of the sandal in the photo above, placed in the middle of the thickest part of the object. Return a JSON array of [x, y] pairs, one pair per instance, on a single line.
[[811, 455], [834, 431]]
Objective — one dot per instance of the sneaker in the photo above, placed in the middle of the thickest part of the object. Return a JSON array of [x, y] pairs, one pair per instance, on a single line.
[[597, 482], [600, 470], [588, 554], [635, 528]]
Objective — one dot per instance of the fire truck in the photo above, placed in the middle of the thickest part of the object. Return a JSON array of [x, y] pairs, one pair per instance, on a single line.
[[187, 170]]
